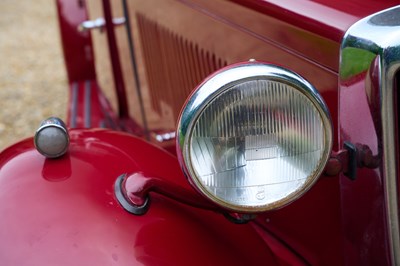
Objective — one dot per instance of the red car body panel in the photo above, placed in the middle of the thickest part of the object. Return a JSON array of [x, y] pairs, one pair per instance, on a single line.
[[64, 211], [327, 19], [363, 204], [77, 46]]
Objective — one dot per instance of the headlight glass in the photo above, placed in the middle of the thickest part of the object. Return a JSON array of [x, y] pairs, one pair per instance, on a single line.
[[257, 143]]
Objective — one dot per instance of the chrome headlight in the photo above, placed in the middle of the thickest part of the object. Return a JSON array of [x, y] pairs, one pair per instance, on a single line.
[[254, 137]]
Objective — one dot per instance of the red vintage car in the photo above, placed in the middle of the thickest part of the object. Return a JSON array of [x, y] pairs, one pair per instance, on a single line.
[[241, 132]]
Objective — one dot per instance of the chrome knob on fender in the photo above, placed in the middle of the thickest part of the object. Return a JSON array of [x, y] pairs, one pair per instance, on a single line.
[[51, 138]]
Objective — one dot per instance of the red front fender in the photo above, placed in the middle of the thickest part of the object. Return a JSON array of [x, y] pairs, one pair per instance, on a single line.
[[64, 211]]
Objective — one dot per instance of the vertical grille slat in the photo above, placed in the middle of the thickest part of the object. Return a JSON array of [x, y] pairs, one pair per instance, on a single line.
[[193, 63], [174, 65], [184, 80], [147, 32]]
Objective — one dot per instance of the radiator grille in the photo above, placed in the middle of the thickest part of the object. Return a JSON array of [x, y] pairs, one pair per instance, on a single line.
[[174, 65]]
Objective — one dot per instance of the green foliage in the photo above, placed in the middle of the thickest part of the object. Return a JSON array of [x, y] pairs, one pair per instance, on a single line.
[[355, 61]]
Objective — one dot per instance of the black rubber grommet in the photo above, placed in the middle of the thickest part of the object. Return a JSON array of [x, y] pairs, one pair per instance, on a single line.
[[125, 203]]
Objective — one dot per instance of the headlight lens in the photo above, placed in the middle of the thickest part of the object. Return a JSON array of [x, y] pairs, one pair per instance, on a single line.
[[254, 137]]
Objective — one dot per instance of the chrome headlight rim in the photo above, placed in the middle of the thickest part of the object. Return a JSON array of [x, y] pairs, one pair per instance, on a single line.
[[222, 81]]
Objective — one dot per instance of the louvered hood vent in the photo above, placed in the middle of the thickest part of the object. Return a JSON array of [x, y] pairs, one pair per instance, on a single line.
[[174, 65]]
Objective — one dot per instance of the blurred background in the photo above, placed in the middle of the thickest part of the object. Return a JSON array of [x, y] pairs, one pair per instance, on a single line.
[[33, 82]]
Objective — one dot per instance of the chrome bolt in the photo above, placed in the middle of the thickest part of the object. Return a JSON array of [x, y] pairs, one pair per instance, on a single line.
[[51, 138]]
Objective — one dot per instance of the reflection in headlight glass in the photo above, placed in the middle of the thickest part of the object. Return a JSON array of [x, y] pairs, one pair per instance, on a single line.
[[257, 143]]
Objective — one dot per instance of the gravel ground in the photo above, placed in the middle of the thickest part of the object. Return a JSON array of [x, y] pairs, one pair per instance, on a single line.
[[33, 83]]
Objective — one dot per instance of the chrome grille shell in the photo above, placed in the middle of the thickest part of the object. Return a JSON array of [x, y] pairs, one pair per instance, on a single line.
[[376, 39]]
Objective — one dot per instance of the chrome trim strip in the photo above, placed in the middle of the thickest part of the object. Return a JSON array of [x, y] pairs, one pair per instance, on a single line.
[[98, 23], [88, 104], [74, 105], [377, 38], [165, 136]]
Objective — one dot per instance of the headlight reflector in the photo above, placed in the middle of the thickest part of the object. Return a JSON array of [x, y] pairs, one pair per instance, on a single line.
[[254, 137]]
